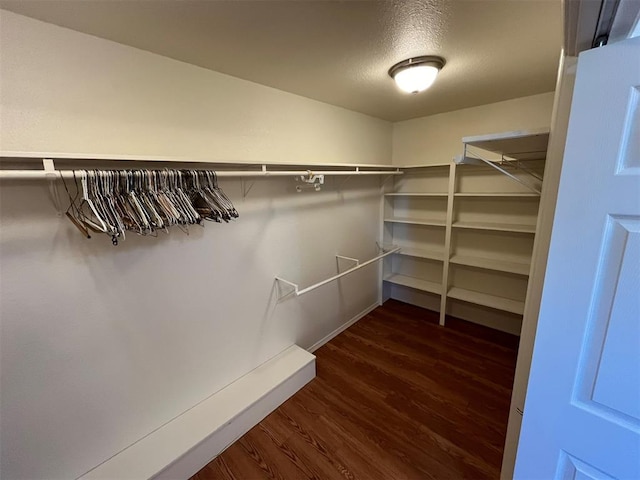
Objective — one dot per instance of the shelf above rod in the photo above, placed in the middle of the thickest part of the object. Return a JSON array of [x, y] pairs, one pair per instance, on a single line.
[[68, 174], [295, 289], [465, 159]]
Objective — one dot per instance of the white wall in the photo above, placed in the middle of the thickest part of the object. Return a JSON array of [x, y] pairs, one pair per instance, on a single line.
[[437, 138], [100, 345], [62, 91]]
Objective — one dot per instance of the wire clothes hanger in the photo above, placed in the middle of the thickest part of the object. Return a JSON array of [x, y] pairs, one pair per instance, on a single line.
[[114, 202]]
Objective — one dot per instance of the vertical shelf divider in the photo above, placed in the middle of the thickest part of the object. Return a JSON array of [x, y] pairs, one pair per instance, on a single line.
[[447, 242]]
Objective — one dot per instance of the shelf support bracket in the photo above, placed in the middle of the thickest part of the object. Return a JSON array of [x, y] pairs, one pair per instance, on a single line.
[[465, 159], [354, 261], [52, 177], [286, 288], [246, 189]]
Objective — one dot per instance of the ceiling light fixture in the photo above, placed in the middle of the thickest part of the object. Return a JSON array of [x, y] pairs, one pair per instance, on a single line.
[[416, 74]]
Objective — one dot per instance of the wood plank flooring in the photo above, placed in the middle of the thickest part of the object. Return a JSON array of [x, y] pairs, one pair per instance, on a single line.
[[396, 397]]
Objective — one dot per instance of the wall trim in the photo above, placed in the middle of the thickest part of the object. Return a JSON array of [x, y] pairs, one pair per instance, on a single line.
[[342, 328]]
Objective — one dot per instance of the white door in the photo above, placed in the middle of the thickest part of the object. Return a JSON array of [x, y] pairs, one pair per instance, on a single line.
[[582, 411]]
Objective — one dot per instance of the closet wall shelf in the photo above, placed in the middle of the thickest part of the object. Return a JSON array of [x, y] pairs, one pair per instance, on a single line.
[[416, 283], [491, 264], [515, 144], [401, 194], [500, 227], [427, 165], [287, 288], [513, 147], [37, 156], [492, 301], [415, 221], [238, 170], [421, 253]]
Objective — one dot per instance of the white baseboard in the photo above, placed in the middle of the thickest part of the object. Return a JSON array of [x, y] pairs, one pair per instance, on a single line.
[[342, 328], [183, 446], [187, 443]]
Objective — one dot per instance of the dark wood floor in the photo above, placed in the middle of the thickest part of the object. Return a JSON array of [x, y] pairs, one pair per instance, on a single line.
[[396, 396]]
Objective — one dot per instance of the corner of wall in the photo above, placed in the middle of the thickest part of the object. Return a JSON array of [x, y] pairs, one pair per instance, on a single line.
[[438, 138]]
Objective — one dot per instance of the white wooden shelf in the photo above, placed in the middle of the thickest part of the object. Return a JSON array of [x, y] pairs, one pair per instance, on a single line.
[[416, 221], [491, 264], [422, 253], [416, 283], [497, 195], [514, 144], [492, 301], [408, 194], [38, 156], [499, 227], [429, 165]]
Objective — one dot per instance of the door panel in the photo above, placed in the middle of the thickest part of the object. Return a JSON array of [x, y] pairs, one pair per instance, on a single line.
[[582, 411], [617, 338]]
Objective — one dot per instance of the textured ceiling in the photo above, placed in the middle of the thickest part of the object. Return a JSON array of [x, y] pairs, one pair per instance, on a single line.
[[339, 51]]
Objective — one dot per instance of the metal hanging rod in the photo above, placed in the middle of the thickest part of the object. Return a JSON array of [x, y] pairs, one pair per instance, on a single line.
[[49, 174], [295, 289]]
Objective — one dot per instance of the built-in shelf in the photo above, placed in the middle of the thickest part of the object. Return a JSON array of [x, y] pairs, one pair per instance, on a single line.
[[429, 165], [500, 227], [411, 282], [497, 195], [38, 156], [409, 194], [491, 264], [519, 144], [492, 301], [480, 236], [421, 253], [416, 221]]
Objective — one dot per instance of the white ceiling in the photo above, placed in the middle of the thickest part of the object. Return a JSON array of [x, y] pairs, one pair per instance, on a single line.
[[339, 51]]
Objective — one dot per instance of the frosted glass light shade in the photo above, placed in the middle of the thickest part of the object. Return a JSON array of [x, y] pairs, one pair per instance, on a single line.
[[416, 79], [416, 74]]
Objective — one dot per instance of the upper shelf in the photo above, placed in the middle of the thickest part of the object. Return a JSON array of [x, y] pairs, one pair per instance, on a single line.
[[424, 165], [517, 144], [63, 156]]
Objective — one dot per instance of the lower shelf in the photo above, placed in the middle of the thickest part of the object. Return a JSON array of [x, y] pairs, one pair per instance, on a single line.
[[421, 253], [491, 264], [493, 301], [499, 227], [411, 282]]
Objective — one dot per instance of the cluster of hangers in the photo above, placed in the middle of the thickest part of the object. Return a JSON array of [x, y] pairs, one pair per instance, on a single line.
[[145, 201]]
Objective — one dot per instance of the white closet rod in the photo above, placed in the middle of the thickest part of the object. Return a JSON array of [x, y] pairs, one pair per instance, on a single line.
[[68, 174], [298, 291]]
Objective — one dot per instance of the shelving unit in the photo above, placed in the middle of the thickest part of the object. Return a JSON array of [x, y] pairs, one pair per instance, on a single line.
[[466, 231]]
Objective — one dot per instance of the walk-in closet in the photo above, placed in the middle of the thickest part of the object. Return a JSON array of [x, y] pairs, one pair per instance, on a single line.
[[319, 239]]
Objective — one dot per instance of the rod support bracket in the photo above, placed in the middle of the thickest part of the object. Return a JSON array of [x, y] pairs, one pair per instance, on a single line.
[[286, 288], [51, 175]]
